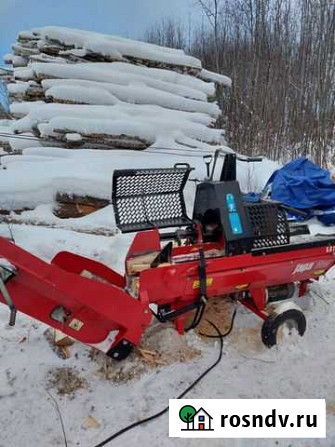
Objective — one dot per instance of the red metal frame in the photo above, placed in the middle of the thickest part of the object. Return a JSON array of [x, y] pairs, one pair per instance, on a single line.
[[101, 309], [105, 314], [178, 285]]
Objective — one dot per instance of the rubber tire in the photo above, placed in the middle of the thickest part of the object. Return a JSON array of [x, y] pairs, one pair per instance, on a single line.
[[272, 324]]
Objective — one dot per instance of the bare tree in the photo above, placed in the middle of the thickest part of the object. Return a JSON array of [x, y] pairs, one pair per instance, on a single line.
[[280, 55], [213, 10], [169, 32]]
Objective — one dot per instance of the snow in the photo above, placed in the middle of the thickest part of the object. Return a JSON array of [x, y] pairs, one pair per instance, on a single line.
[[26, 35], [123, 74], [42, 57], [118, 99], [216, 77], [23, 73], [147, 122], [77, 94], [18, 88], [19, 61], [26, 139], [5, 126], [108, 94], [16, 143], [8, 58], [5, 129], [35, 177], [20, 109], [101, 221], [116, 47], [23, 51], [73, 137], [74, 52]]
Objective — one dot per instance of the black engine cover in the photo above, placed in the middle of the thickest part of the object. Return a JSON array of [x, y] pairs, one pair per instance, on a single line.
[[220, 205]]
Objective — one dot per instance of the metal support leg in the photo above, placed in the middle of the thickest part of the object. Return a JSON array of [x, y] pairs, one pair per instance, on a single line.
[[303, 288], [9, 301]]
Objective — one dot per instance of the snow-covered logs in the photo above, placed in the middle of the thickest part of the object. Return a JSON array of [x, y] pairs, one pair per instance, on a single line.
[[111, 92]]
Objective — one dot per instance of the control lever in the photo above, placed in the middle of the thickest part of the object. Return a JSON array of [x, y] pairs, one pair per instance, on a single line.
[[232, 157], [208, 160], [250, 159]]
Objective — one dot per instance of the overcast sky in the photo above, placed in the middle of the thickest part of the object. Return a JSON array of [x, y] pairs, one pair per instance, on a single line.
[[128, 18]]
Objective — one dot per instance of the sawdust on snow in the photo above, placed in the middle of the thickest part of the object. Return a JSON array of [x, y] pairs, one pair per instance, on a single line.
[[66, 381], [160, 347]]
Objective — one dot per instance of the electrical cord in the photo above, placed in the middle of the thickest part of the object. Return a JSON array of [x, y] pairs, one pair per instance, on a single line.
[[227, 333], [160, 413], [197, 317], [183, 151]]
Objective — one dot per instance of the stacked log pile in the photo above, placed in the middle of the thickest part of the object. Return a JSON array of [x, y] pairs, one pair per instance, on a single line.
[[59, 44], [72, 206], [83, 89], [78, 89]]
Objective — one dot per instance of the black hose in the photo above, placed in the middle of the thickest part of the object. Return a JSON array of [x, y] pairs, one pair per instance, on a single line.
[[160, 413], [227, 333], [197, 317]]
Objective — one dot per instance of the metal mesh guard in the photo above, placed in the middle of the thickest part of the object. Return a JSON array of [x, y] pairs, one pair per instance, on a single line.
[[269, 224], [149, 198]]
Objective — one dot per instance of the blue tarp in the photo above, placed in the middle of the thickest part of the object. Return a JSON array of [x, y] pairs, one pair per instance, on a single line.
[[302, 184], [4, 96]]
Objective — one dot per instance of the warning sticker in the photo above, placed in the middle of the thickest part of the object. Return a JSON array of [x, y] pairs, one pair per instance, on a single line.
[[76, 325], [209, 282]]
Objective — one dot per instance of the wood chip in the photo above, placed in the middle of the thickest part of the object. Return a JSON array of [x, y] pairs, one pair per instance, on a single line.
[[151, 357], [91, 422]]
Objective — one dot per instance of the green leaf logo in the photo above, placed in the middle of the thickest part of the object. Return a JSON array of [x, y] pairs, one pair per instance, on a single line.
[[186, 414]]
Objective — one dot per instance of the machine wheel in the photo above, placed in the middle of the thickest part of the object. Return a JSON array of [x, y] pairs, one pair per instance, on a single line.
[[272, 327], [280, 293]]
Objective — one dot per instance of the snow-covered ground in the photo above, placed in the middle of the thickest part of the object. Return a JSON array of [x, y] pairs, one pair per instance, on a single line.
[[300, 369]]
